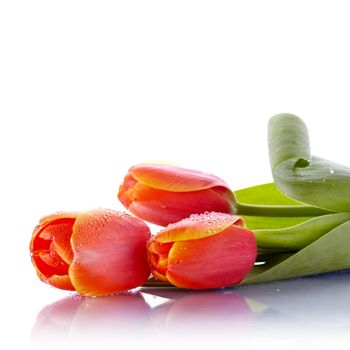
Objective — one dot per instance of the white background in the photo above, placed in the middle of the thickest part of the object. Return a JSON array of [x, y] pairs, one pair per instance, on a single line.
[[89, 88]]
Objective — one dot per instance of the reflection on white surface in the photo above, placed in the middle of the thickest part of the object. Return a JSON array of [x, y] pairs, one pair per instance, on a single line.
[[273, 313], [111, 319]]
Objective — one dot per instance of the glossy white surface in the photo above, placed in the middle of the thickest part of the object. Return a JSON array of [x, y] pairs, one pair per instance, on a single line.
[[309, 309], [89, 88]]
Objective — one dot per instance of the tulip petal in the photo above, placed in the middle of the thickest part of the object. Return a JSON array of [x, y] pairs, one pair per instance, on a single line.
[[198, 226], [216, 261], [110, 253], [163, 207], [126, 190], [162, 266], [37, 243], [174, 179], [158, 256], [50, 247], [45, 268], [161, 249], [61, 245], [50, 229], [57, 216], [58, 266], [153, 259], [62, 282], [159, 276], [59, 233]]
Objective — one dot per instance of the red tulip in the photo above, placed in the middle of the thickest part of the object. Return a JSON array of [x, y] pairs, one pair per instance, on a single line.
[[96, 252], [204, 251], [164, 194]]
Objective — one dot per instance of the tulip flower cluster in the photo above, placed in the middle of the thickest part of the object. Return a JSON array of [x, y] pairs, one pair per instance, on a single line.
[[301, 226], [204, 244]]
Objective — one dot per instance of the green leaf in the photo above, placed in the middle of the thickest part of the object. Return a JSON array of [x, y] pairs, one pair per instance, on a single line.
[[326, 254], [308, 179], [299, 236], [288, 139], [267, 194]]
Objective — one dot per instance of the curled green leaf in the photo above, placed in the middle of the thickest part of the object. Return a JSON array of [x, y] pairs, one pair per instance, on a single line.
[[308, 179]]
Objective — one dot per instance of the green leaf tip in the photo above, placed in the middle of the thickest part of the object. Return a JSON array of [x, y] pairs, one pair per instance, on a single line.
[[288, 139]]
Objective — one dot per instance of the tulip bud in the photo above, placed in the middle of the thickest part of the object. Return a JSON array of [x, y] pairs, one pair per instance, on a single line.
[[211, 250], [96, 252], [163, 194]]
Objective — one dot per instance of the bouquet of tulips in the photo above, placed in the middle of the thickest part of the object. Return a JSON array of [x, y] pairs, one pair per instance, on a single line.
[[212, 237]]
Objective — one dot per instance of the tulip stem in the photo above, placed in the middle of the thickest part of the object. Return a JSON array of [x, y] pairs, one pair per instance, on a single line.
[[279, 210]]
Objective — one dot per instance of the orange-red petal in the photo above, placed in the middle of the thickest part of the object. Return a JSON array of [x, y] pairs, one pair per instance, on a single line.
[[62, 282], [50, 248], [164, 207], [110, 253], [126, 190], [198, 226], [212, 262], [57, 216], [159, 276], [174, 179]]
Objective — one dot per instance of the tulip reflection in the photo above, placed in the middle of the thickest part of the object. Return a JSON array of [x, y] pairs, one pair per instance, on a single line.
[[253, 313], [205, 314], [113, 319], [55, 319]]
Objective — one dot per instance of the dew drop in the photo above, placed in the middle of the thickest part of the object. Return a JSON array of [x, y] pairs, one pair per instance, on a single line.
[[78, 297], [193, 217]]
